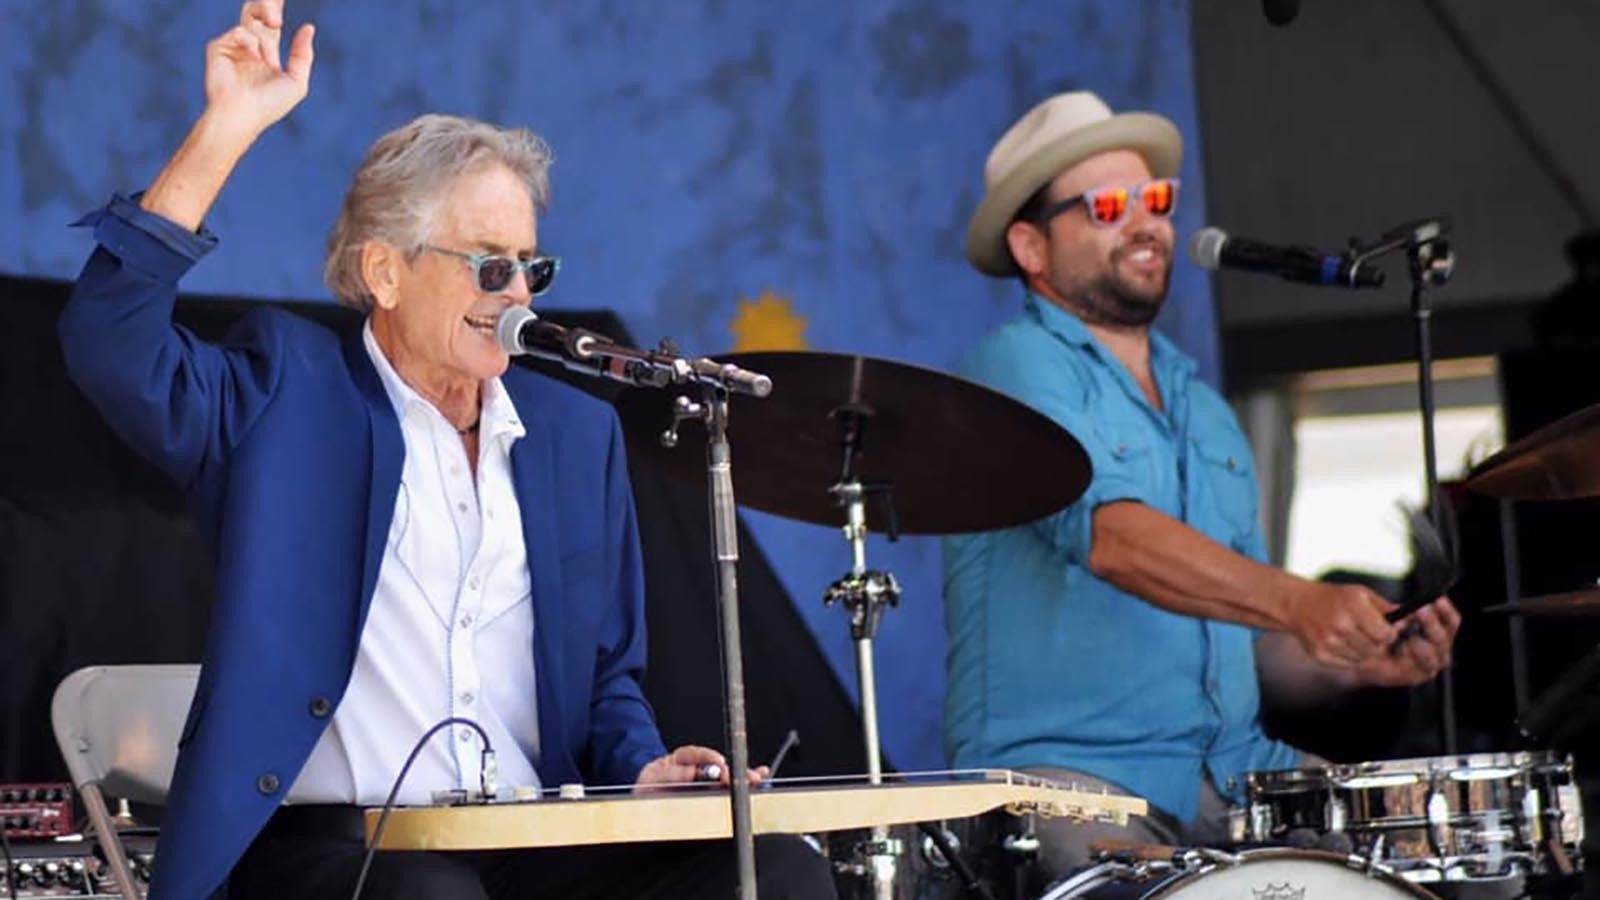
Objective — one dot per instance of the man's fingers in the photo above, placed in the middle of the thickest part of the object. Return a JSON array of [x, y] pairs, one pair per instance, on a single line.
[[1359, 641], [1448, 613], [267, 39], [1374, 627], [1434, 627], [265, 20], [239, 44], [694, 755], [236, 43], [1424, 656], [267, 12], [301, 53], [1337, 654]]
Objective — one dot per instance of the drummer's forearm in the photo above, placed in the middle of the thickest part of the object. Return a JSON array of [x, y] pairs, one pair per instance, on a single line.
[[1166, 562]]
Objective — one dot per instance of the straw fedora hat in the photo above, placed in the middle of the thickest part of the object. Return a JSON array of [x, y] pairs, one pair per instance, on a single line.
[[1051, 137]]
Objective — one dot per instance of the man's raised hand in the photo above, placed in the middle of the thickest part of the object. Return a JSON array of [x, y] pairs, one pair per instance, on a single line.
[[247, 86]]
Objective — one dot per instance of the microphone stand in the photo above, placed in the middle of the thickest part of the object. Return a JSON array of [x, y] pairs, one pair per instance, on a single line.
[[596, 355], [1430, 260], [714, 381]]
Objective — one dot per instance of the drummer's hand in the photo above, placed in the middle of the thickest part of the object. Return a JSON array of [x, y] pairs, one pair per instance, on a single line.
[[247, 87], [682, 765], [1339, 625], [1422, 651]]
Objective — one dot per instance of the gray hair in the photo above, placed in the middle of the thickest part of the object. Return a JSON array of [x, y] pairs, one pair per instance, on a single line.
[[395, 194]]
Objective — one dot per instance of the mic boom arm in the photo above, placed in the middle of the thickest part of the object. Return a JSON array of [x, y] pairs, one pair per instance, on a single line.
[[521, 331]]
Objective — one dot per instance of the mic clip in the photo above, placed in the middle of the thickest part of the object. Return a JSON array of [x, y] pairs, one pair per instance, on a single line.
[[1427, 246]]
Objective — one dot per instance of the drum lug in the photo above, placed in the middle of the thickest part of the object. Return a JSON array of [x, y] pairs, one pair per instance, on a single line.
[[1239, 823], [1335, 814], [1260, 822], [1375, 855]]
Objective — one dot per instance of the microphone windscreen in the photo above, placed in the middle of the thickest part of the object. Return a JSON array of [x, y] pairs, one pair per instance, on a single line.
[[508, 327], [1205, 248]]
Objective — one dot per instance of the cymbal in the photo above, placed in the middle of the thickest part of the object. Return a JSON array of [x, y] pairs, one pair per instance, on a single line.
[[1573, 603], [1560, 461], [960, 457]]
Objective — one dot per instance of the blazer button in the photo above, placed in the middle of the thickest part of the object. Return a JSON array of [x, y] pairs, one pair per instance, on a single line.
[[267, 784], [320, 707]]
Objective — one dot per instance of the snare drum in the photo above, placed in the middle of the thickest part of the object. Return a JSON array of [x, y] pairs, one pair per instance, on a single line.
[[1450, 818], [1266, 874]]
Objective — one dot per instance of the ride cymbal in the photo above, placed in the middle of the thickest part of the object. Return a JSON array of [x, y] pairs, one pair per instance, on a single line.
[[959, 456]]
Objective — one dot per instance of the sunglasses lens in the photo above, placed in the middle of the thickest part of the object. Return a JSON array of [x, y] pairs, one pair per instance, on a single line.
[[1108, 205], [541, 272], [1160, 197], [495, 273]]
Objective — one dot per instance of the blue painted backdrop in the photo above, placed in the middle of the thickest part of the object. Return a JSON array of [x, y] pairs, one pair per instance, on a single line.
[[727, 173]]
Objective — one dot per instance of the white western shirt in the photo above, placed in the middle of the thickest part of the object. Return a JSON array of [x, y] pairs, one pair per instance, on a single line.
[[450, 631]]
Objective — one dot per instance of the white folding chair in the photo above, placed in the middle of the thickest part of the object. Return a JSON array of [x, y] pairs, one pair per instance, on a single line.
[[118, 728]]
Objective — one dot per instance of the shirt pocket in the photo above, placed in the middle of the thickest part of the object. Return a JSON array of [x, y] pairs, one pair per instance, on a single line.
[[1230, 481], [1126, 470]]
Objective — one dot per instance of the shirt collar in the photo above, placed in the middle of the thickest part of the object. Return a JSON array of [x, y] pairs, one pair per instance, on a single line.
[[1165, 357], [497, 415]]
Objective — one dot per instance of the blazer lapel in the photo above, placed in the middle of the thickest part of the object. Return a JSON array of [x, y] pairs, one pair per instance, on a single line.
[[533, 471], [386, 458]]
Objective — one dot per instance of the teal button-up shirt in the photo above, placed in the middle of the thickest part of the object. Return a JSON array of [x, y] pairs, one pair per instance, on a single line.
[[1051, 666]]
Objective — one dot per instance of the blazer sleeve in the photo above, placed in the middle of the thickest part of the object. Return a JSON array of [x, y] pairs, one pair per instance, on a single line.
[[175, 399]]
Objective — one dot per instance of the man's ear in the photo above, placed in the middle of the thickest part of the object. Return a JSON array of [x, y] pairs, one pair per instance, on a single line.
[[381, 265], [1029, 247]]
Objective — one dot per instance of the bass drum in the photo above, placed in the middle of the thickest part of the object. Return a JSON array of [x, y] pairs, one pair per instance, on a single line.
[[1266, 874]]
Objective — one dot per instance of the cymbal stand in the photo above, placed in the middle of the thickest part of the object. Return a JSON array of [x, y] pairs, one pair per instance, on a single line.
[[1430, 260], [866, 593]]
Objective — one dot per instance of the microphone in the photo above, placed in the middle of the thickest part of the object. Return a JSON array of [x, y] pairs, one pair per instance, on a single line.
[[732, 377], [520, 332], [1212, 248], [1280, 12]]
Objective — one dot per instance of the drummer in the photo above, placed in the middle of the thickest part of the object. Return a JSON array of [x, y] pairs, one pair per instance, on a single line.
[[1128, 640]]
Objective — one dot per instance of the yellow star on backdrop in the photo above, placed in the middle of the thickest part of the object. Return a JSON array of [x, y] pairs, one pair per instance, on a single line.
[[768, 322]]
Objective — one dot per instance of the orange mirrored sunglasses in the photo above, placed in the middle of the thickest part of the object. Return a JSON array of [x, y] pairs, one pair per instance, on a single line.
[[1108, 206]]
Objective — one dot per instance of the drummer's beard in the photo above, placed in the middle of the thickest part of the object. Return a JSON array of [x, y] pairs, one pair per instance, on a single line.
[[1118, 298]]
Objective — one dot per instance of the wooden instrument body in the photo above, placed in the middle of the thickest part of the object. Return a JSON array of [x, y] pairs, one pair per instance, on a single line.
[[698, 812]]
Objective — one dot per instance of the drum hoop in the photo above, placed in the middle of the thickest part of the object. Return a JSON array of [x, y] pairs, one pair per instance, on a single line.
[[1245, 857], [1412, 770]]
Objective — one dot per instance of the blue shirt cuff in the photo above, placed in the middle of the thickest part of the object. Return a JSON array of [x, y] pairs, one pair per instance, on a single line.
[[143, 240]]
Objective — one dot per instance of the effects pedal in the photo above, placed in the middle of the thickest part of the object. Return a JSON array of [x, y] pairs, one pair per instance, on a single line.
[[74, 868], [35, 811]]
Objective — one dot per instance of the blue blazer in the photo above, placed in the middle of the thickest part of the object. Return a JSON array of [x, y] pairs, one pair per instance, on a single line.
[[291, 454]]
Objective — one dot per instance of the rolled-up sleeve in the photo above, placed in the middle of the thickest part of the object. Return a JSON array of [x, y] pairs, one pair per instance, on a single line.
[[156, 246]]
